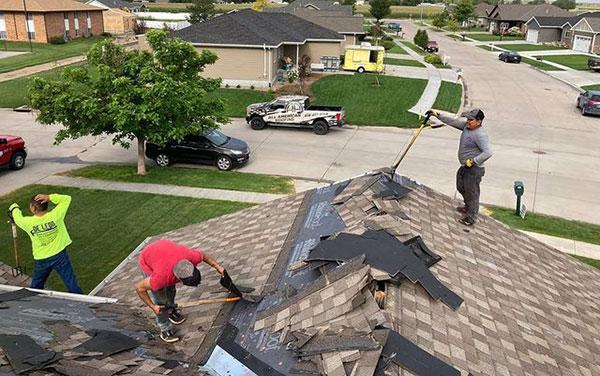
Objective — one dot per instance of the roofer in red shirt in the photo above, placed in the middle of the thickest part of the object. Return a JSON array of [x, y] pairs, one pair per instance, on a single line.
[[166, 263]]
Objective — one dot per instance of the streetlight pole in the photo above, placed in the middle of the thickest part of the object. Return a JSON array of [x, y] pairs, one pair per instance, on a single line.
[[27, 27]]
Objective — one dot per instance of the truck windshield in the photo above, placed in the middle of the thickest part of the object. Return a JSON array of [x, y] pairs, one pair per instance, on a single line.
[[217, 137]]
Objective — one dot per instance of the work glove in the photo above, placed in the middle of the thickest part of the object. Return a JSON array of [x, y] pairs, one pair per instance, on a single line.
[[432, 112], [10, 211], [470, 162]]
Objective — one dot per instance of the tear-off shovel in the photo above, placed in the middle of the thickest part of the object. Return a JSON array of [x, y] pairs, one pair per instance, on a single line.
[[240, 292], [18, 269]]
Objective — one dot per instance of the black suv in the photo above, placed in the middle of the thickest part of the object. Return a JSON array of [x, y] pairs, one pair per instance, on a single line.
[[510, 57], [212, 147]]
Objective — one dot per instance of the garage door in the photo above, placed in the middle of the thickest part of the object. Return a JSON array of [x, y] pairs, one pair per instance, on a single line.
[[582, 43], [532, 35]]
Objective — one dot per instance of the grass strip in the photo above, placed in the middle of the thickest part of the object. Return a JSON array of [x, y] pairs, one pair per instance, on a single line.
[[189, 177], [106, 226]]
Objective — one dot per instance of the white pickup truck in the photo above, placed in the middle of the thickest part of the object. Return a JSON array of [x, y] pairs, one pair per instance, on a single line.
[[294, 111]]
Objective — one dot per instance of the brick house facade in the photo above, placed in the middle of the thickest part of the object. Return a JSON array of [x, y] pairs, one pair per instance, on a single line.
[[46, 19]]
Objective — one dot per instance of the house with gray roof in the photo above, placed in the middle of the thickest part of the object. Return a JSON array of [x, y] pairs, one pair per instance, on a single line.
[[251, 45], [314, 5], [504, 16], [564, 30], [419, 295], [118, 16], [583, 36]]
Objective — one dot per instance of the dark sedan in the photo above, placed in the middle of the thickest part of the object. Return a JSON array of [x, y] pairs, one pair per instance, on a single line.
[[510, 57], [589, 102], [212, 147]]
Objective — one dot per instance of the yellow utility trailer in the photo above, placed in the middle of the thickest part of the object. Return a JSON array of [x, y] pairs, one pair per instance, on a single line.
[[364, 58]]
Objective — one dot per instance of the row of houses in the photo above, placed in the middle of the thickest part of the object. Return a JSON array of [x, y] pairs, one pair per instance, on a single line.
[[543, 23], [42, 20]]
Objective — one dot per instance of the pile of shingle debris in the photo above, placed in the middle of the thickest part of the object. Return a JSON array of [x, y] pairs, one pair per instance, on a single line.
[[336, 325]]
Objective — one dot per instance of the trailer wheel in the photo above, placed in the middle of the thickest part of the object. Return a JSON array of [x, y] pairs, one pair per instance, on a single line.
[[361, 70], [320, 127], [257, 123]]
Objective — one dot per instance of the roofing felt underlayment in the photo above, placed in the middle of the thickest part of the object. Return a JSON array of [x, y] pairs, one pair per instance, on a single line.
[[527, 310]]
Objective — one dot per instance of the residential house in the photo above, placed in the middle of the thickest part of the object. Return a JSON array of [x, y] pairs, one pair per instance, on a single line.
[[118, 15], [505, 16], [548, 29], [350, 26], [583, 36], [41, 20], [315, 5], [482, 12], [251, 45]]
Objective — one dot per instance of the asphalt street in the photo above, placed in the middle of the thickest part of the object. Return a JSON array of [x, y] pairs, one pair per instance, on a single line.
[[538, 137]]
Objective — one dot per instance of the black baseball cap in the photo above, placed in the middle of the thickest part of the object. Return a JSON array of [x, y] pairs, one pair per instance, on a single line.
[[187, 273], [474, 114]]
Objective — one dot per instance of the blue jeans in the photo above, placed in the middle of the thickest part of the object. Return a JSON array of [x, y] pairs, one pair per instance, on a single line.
[[164, 297], [59, 262]]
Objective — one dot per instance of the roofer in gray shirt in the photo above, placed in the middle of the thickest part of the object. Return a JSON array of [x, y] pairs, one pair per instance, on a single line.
[[474, 149]]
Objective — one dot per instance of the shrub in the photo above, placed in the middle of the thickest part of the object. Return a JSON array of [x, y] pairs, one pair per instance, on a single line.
[[421, 38], [433, 59], [251, 87], [388, 44], [227, 85], [238, 86], [292, 75], [57, 40], [376, 31], [387, 37]]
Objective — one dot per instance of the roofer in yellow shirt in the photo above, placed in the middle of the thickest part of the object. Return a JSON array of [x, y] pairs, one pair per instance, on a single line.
[[49, 239]]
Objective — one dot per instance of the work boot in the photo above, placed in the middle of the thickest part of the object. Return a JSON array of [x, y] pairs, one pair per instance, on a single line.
[[466, 221], [176, 317], [168, 336], [462, 209]]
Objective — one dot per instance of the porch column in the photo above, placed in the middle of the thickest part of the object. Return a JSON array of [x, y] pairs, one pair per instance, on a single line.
[[297, 54]]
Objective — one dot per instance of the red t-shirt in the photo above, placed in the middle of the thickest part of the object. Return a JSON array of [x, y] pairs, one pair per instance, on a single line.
[[158, 259]]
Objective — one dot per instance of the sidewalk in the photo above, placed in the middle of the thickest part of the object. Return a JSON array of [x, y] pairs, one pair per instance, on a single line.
[[160, 189], [569, 246], [40, 68]]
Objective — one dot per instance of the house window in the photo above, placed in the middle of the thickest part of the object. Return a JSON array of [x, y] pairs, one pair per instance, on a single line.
[[30, 26], [67, 26], [2, 27], [76, 18], [89, 23], [568, 34]]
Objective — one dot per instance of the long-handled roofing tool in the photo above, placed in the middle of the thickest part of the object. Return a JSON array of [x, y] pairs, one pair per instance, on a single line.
[[424, 123], [18, 269], [208, 301]]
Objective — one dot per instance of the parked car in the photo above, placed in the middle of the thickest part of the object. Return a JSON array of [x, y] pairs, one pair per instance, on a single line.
[[432, 47], [395, 26], [510, 57], [294, 111], [12, 152], [589, 102], [212, 147], [594, 64]]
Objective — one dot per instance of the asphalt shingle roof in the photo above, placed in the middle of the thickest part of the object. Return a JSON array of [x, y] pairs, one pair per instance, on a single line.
[[7, 278], [332, 20], [523, 12], [45, 5], [315, 6], [528, 309], [248, 27], [119, 4]]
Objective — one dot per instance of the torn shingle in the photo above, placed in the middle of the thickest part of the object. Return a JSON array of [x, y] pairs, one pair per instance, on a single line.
[[107, 342], [335, 342], [24, 354], [16, 295]]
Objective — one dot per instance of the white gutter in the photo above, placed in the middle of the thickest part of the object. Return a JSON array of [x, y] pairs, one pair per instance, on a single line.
[[196, 44], [62, 295]]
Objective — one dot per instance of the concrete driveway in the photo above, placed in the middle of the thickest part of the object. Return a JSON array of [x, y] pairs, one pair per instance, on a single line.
[[537, 134]]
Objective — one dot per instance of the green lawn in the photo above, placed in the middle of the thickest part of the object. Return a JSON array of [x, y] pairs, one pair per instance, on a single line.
[[539, 64], [397, 50], [591, 87], [449, 97], [529, 47], [592, 262], [554, 226], [456, 37], [369, 104], [486, 47], [189, 177], [236, 100], [43, 52], [488, 37], [403, 62], [578, 62], [413, 47], [106, 226]]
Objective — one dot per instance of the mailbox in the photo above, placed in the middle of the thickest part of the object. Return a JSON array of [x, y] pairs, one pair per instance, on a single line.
[[519, 190]]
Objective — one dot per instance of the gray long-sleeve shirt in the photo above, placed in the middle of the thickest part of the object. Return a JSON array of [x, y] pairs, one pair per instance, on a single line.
[[474, 144]]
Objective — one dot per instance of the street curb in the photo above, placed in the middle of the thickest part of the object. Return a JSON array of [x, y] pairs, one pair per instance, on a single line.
[[558, 79]]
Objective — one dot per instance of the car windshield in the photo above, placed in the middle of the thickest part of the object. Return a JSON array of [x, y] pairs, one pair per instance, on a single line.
[[595, 98], [217, 137]]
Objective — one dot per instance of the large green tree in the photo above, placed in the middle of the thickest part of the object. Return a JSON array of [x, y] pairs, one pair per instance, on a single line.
[[380, 9], [155, 95], [200, 10], [441, 19], [464, 10], [565, 4]]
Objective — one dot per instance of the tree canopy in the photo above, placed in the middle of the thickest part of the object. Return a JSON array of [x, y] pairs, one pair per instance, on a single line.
[[200, 10], [259, 5], [464, 10], [565, 4], [380, 9], [153, 95]]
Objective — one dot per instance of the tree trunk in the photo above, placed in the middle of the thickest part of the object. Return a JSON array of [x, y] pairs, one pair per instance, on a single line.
[[141, 164]]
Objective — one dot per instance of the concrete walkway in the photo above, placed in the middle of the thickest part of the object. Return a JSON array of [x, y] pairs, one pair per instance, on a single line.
[[40, 68], [161, 189], [569, 246]]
